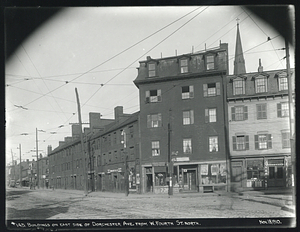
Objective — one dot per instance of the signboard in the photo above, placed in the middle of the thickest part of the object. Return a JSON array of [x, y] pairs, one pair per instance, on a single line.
[[204, 169], [158, 164], [214, 169], [114, 170], [184, 170], [181, 159]]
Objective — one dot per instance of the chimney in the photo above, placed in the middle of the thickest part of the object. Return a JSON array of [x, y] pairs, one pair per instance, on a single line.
[[95, 120], [260, 68], [60, 143], [118, 113], [148, 57], [41, 156], [68, 139], [76, 130], [49, 149]]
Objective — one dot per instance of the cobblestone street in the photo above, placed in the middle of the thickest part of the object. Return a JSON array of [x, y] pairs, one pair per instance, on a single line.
[[72, 204]]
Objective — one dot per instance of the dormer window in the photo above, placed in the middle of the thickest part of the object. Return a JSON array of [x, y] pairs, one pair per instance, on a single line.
[[151, 69], [210, 62], [283, 83], [238, 87], [261, 84], [184, 66]]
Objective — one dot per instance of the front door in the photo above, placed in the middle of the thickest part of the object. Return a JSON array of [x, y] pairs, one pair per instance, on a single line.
[[237, 176], [276, 174], [189, 178]]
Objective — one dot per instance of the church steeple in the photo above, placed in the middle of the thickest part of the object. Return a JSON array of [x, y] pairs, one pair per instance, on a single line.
[[239, 62]]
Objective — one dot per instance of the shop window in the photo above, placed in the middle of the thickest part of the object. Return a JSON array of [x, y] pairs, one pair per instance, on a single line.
[[285, 135], [282, 109], [213, 173], [154, 120], [152, 69], [187, 146], [210, 62], [184, 66], [213, 144], [261, 85], [261, 110], [263, 141], [153, 95], [155, 148], [240, 142], [211, 89], [188, 117], [238, 87], [210, 115], [255, 173], [271, 172], [239, 113], [160, 179], [187, 92]]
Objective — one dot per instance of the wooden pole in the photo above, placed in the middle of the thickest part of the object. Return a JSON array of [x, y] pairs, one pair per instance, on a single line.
[[82, 147], [20, 166]]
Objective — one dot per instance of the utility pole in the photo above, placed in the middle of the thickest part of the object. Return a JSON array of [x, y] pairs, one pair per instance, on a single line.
[[20, 167], [82, 147], [37, 159], [170, 162], [126, 176], [292, 120], [13, 164]]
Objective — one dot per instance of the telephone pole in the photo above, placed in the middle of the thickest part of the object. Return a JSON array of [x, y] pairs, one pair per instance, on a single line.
[[82, 147], [291, 119], [37, 159], [20, 167]]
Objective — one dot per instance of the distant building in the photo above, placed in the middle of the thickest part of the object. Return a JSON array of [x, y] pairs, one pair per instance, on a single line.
[[182, 119]]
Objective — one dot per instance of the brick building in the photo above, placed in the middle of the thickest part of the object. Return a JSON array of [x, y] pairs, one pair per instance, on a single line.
[[182, 121]]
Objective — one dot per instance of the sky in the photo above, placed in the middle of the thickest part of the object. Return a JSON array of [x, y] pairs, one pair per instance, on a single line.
[[97, 50]]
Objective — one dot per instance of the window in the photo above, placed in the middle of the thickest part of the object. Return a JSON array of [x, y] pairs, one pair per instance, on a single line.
[[238, 87], [240, 142], [261, 85], [115, 138], [210, 62], [211, 115], [155, 148], [213, 144], [153, 96], [187, 92], [285, 135], [263, 141], [187, 146], [151, 70], [283, 83], [211, 89], [184, 66], [282, 109], [154, 120], [131, 134], [239, 113], [188, 117], [261, 110]]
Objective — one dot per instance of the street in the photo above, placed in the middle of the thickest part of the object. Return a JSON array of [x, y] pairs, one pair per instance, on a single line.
[[25, 204]]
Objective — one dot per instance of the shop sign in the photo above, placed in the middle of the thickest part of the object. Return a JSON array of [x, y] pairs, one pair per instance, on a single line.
[[214, 169], [181, 159], [114, 170], [184, 170], [101, 173], [276, 162], [223, 169], [157, 164]]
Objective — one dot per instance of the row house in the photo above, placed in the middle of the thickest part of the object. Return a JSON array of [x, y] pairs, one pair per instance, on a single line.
[[182, 121], [110, 151], [259, 130]]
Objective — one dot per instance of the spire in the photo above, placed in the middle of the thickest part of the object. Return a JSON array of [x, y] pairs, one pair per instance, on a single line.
[[239, 62]]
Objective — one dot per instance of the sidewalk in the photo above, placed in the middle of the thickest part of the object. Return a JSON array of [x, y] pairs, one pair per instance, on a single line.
[[283, 200]]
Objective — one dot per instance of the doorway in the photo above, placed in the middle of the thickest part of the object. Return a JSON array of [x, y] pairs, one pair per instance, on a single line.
[[276, 174], [189, 180], [149, 185]]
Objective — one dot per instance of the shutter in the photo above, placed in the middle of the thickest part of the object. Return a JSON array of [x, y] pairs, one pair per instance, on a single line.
[[191, 91], [269, 136], [264, 110], [149, 121], [192, 116], [206, 116], [159, 119], [234, 143], [147, 96], [279, 115], [245, 112], [218, 88], [205, 90], [159, 95], [256, 142], [247, 142], [232, 113], [244, 87]]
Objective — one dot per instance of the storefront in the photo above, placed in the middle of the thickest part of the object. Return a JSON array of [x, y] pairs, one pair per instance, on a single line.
[[262, 172]]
